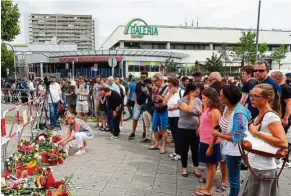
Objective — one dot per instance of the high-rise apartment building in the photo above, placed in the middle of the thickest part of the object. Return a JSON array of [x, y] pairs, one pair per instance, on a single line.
[[61, 29]]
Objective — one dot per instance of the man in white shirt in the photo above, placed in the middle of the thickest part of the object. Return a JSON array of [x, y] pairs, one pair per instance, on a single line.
[[82, 92], [54, 99]]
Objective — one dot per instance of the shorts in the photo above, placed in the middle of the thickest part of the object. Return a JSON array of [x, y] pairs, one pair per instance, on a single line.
[[102, 115], [160, 120], [137, 110], [214, 158], [82, 107]]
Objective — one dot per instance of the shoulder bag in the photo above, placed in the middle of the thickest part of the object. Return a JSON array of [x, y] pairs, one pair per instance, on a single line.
[[257, 146]]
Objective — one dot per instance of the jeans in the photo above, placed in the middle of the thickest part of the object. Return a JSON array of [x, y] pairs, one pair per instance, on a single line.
[[116, 123], [109, 118], [233, 171], [64, 100], [173, 126], [54, 109]]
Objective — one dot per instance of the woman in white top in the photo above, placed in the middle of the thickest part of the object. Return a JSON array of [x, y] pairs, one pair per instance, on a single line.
[[265, 98], [175, 93]]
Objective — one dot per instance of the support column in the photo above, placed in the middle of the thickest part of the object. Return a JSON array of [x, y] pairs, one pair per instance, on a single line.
[[289, 48], [73, 70], [121, 45], [41, 71], [211, 46], [126, 69], [121, 68], [168, 46]]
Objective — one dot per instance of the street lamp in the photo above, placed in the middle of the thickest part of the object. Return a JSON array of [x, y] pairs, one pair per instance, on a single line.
[[14, 62], [258, 29]]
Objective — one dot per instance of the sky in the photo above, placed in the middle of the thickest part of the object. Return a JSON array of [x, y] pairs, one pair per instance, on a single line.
[[275, 14]]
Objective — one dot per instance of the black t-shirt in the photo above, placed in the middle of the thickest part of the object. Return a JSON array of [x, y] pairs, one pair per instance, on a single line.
[[248, 86], [114, 100], [286, 94], [140, 93]]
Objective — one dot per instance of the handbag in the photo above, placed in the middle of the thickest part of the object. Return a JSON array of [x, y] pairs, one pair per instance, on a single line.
[[257, 146]]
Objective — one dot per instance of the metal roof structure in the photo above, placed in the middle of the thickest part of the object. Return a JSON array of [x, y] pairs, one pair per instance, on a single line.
[[119, 52]]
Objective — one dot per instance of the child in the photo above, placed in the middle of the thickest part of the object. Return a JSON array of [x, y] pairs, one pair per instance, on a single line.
[[103, 109]]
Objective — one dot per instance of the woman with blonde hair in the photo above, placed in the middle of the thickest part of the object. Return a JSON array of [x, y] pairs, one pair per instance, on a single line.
[[270, 130], [83, 132]]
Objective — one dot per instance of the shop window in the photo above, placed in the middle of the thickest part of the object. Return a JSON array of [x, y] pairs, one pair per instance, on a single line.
[[136, 68], [142, 68], [131, 68], [147, 46], [154, 68], [147, 68]]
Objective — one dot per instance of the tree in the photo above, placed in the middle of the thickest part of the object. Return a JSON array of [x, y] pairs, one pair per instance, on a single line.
[[7, 60], [263, 48], [9, 20], [279, 54], [225, 54], [214, 63], [170, 65], [246, 49]]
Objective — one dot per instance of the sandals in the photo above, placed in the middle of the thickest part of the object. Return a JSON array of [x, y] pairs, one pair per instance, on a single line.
[[198, 192], [202, 180], [185, 175], [154, 148], [197, 173], [163, 151], [221, 188]]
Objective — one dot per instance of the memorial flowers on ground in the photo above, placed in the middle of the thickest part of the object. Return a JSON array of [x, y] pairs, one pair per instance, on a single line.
[[28, 170]]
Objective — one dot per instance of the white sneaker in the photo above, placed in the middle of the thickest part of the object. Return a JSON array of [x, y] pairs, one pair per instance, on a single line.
[[172, 155], [113, 137], [176, 158], [80, 152]]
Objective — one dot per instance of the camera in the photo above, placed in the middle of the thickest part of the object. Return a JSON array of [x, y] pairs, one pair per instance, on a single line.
[[47, 81]]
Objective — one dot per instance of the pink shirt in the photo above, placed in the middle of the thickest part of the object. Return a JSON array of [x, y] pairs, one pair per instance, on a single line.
[[206, 128]]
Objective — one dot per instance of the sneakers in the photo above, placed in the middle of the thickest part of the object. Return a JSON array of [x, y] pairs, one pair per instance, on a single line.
[[131, 136], [176, 158], [172, 155], [80, 152], [113, 137]]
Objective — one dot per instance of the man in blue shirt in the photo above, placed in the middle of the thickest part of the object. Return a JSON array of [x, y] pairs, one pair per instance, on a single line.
[[261, 71], [130, 92]]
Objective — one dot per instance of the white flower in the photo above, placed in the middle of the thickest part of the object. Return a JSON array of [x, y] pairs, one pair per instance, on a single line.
[[41, 138], [36, 145]]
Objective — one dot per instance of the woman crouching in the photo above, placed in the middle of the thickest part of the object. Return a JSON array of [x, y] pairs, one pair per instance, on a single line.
[[83, 132]]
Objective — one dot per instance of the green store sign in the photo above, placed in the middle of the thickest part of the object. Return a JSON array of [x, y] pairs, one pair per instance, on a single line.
[[138, 28]]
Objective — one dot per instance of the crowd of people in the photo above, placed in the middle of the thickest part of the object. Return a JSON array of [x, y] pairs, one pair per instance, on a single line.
[[208, 115]]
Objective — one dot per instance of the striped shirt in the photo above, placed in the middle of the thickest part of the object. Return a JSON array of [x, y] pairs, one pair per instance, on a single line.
[[223, 123]]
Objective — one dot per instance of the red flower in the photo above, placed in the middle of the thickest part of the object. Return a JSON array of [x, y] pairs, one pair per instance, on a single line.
[[56, 139]]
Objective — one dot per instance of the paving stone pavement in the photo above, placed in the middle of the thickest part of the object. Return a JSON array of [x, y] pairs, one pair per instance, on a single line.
[[123, 167]]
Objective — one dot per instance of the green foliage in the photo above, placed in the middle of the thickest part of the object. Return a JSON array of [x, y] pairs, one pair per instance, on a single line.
[[225, 53], [246, 49], [170, 65], [279, 54], [9, 20], [263, 48], [214, 63], [7, 60]]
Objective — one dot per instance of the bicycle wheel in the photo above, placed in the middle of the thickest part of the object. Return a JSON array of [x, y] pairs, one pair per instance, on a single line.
[[126, 114]]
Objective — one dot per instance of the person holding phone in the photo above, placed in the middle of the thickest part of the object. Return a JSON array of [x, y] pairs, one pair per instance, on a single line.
[[190, 107]]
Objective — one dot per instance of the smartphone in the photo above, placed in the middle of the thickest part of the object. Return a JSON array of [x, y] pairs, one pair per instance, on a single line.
[[218, 128]]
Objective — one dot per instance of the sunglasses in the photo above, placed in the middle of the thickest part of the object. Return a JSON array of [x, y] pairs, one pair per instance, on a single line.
[[252, 96], [142, 77], [259, 70]]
